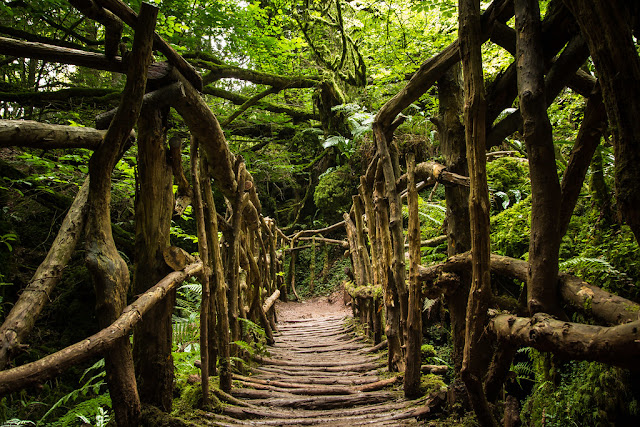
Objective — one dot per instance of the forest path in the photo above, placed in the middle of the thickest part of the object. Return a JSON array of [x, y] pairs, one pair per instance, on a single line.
[[319, 372]]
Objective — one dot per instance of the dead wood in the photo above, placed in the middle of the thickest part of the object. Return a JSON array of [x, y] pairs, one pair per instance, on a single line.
[[22, 317], [329, 402], [319, 379], [618, 69], [221, 303], [615, 345], [205, 276], [27, 133], [309, 372], [268, 303], [413, 356], [152, 337], [65, 55], [436, 241], [375, 348], [108, 269], [379, 385], [475, 345], [434, 369], [52, 365], [177, 258], [581, 295], [362, 361], [157, 99], [282, 415]]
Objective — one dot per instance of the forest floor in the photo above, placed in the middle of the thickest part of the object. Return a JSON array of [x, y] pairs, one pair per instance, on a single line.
[[320, 371]]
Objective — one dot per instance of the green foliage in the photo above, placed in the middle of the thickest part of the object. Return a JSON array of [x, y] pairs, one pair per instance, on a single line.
[[508, 178], [589, 394], [596, 270], [88, 400], [333, 193], [427, 350], [510, 230], [329, 273], [186, 317]]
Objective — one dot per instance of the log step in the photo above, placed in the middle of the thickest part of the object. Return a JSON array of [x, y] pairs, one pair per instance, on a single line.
[[319, 372]]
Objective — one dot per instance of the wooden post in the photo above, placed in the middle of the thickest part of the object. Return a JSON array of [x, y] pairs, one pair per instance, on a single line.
[[412, 373], [545, 188], [109, 271], [220, 289], [154, 207], [391, 302], [475, 126], [203, 249]]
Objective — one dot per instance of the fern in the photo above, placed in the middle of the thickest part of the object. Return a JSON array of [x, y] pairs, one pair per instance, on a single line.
[[599, 268], [92, 384], [96, 409], [185, 333]]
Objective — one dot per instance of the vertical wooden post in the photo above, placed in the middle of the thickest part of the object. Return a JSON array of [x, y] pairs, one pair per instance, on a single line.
[[475, 126], [220, 290], [391, 300], [109, 271], [363, 253], [154, 208], [412, 373], [203, 249], [233, 265], [545, 239]]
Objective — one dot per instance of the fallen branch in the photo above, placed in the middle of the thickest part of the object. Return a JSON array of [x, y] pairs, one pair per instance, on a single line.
[[270, 301], [579, 294], [27, 133], [614, 345]]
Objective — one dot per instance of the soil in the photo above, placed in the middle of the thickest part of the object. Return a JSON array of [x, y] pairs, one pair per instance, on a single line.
[[316, 307]]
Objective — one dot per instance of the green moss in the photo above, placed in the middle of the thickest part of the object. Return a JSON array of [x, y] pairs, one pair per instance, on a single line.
[[333, 193], [189, 399], [431, 383], [369, 291], [427, 350]]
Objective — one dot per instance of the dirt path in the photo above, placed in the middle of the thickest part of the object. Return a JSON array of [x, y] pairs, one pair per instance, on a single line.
[[317, 307], [318, 373]]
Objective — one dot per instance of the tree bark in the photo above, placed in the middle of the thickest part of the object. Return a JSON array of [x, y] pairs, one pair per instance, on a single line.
[[457, 198], [59, 54], [591, 129], [154, 205], [412, 373], [480, 293], [545, 210], [613, 345], [109, 270], [27, 133], [581, 295], [203, 250], [391, 302], [220, 288], [609, 36]]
